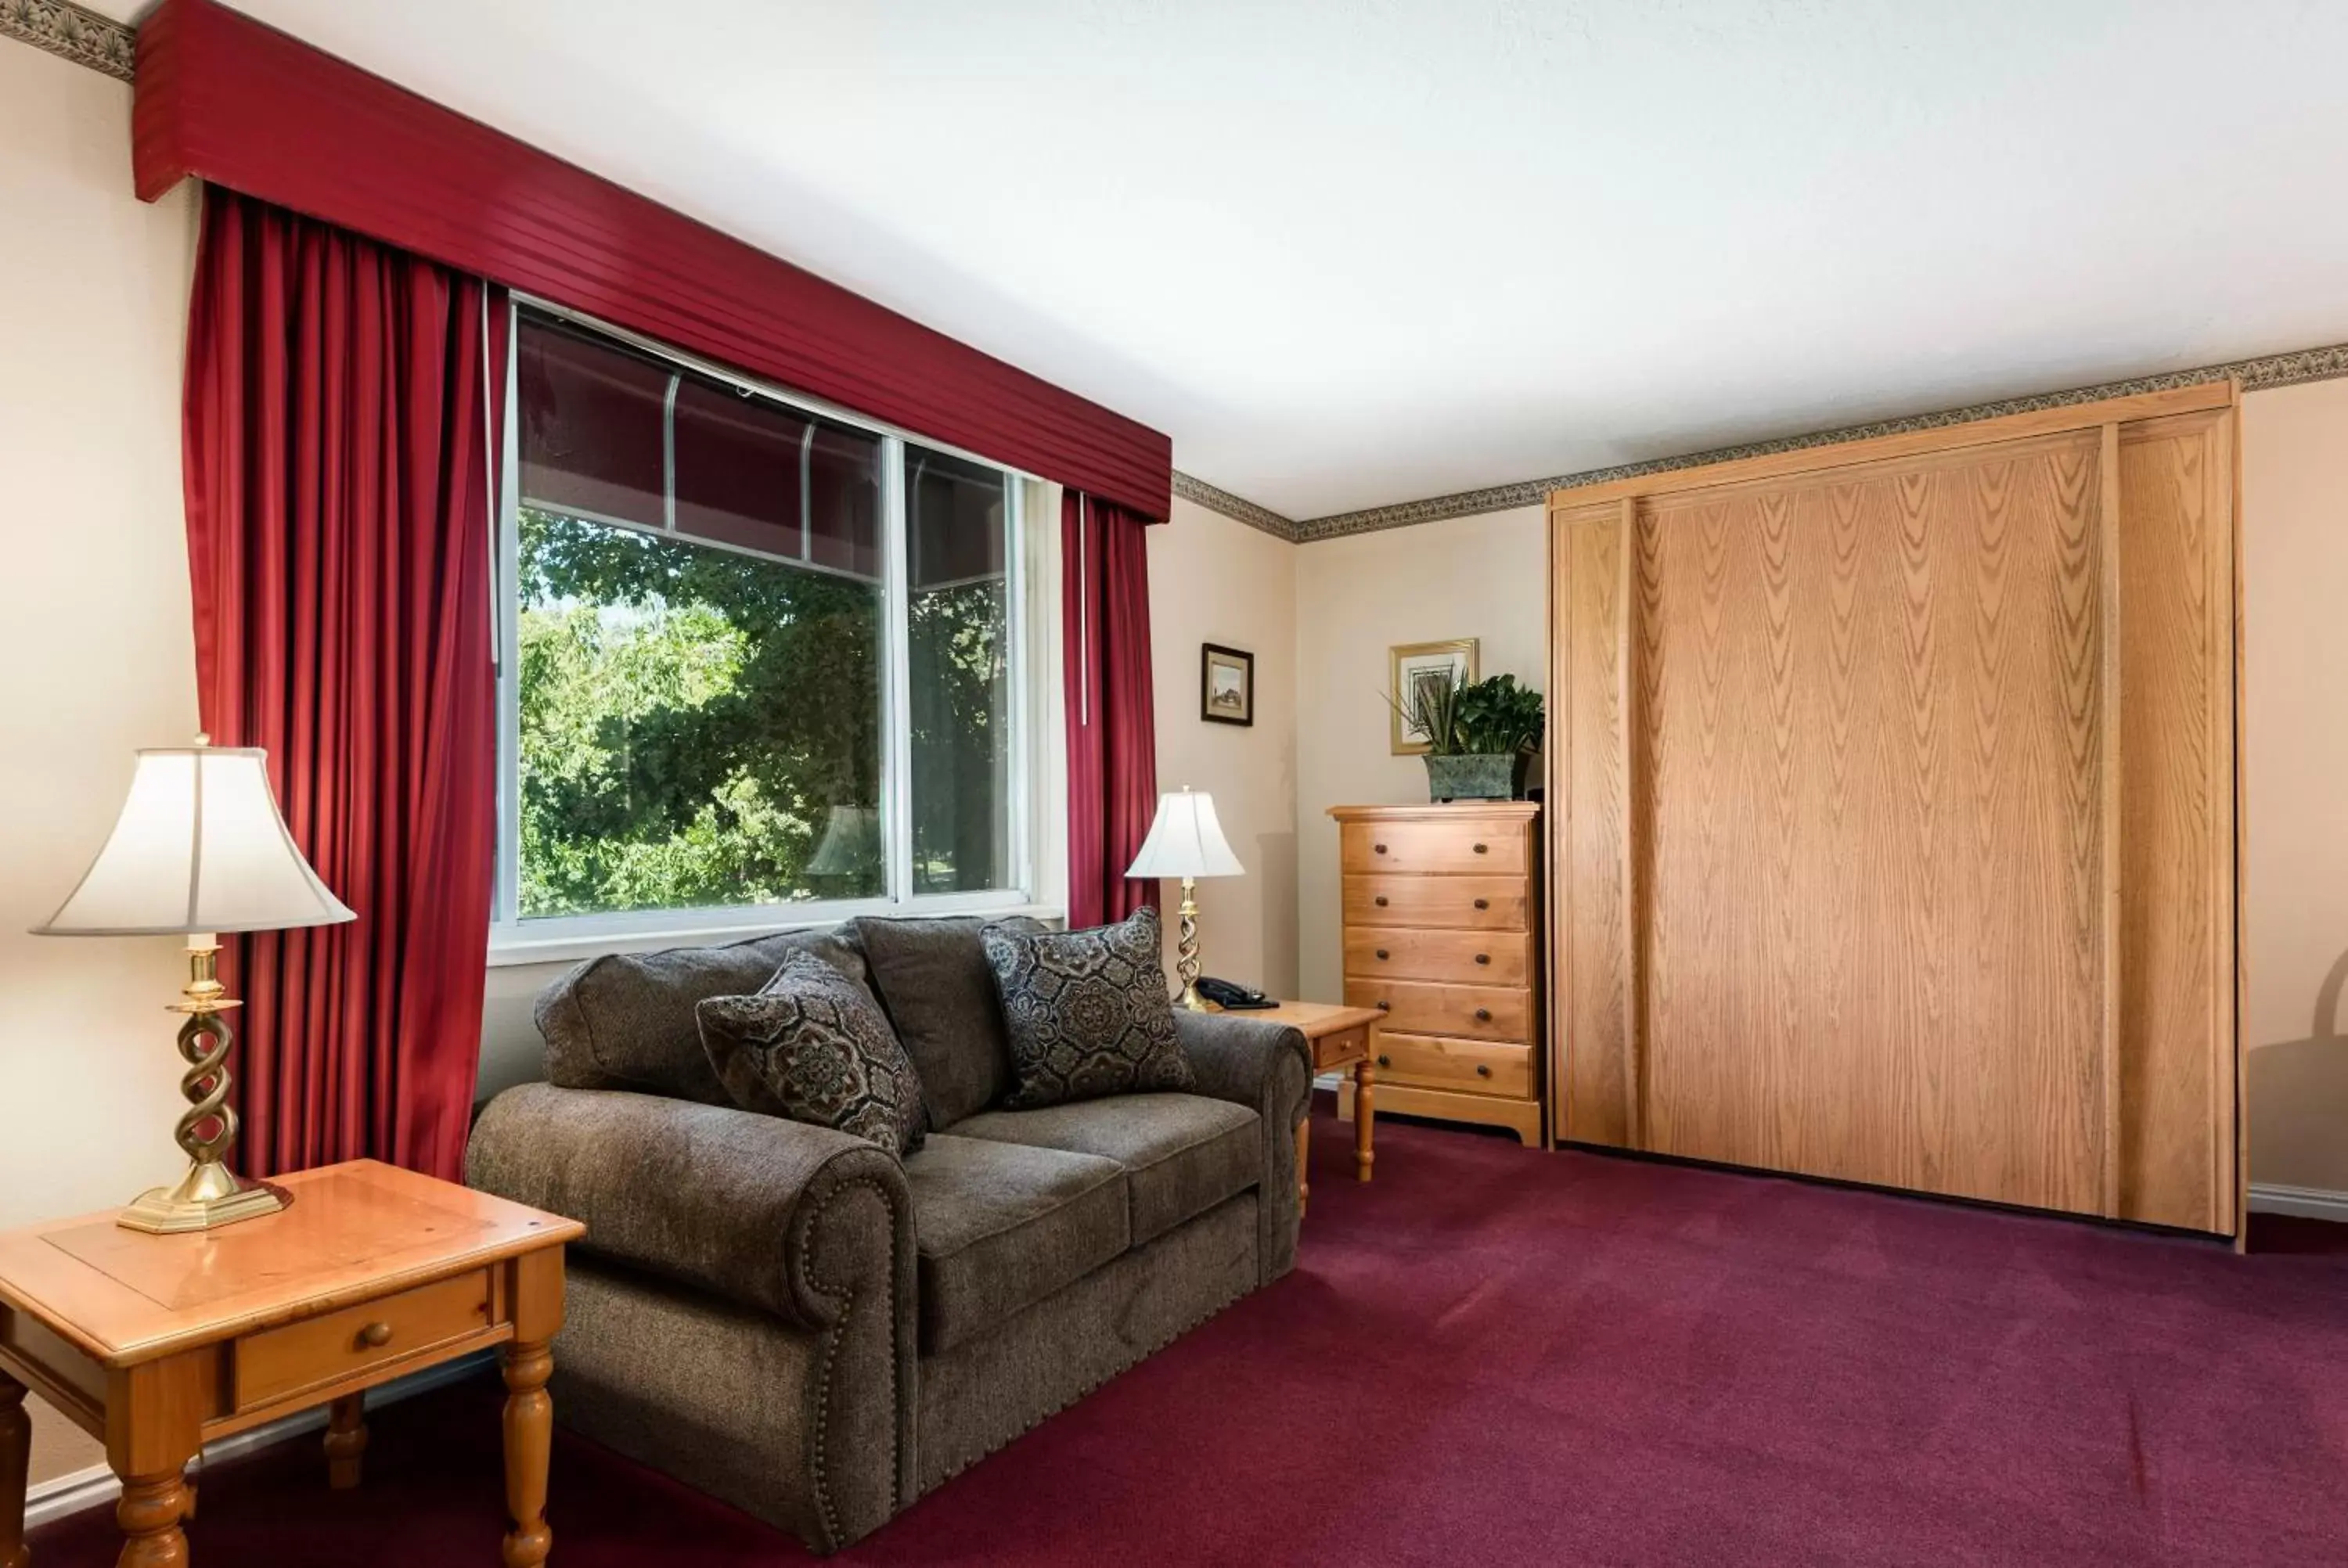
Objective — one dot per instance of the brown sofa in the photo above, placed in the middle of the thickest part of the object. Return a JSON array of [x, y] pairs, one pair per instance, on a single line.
[[789, 1319]]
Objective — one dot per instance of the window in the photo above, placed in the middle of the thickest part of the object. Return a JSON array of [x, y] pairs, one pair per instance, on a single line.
[[763, 662]]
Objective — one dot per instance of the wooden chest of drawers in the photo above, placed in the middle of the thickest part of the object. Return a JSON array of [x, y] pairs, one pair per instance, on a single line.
[[1442, 917]]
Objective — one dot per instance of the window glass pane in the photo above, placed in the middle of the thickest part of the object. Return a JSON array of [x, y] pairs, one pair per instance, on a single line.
[[958, 614], [700, 727], [737, 469], [592, 436]]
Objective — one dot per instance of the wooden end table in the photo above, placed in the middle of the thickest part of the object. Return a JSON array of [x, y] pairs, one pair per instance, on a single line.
[[1339, 1037], [159, 1344]]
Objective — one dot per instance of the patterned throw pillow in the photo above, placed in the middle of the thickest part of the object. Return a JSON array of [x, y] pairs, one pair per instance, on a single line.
[[814, 1045], [1086, 1011]]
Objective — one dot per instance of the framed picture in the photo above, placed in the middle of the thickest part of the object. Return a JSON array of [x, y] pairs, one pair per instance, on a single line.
[[1225, 685], [1413, 664]]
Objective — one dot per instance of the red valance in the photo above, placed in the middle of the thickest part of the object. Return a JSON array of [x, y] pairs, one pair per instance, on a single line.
[[223, 98]]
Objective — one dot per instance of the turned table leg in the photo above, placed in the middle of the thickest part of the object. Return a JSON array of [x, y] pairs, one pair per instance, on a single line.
[[15, 1455], [530, 1444], [149, 1513], [1364, 1111], [1304, 1159], [347, 1439]]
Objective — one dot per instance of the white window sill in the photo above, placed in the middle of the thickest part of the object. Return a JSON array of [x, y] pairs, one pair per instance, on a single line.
[[511, 948]]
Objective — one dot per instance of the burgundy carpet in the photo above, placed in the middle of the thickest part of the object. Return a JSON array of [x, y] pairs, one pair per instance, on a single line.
[[1497, 1356]]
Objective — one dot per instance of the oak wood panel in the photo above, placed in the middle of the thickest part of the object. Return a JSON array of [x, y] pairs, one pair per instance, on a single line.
[[279, 1362], [1914, 782], [1591, 776], [1470, 1066], [2176, 741], [1866, 704], [1445, 903], [1478, 1012], [1472, 846], [1472, 958]]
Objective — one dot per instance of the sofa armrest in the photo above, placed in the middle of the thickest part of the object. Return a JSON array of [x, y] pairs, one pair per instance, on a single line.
[[1268, 1068], [771, 1213]]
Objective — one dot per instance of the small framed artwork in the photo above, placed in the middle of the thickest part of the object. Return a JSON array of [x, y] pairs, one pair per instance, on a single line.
[[1225, 685], [1412, 664]]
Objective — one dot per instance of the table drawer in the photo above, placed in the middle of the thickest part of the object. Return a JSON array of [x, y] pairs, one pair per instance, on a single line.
[[318, 1350], [1447, 848], [1453, 903], [1478, 1013], [1474, 1066], [1472, 958]]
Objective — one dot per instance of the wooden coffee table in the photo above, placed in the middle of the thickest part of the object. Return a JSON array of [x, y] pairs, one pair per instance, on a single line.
[[1340, 1037], [159, 1344]]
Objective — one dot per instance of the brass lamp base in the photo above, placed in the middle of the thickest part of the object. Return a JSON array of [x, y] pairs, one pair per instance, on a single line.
[[208, 1195], [1186, 952]]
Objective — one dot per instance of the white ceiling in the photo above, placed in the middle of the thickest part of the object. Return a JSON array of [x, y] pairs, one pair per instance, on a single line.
[[1368, 250]]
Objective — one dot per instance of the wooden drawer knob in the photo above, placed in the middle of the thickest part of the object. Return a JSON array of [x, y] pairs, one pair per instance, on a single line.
[[1380, 901], [1483, 1070], [1483, 848], [1386, 1007], [1480, 903], [1385, 1061], [1379, 848], [1382, 952], [1480, 958], [1483, 1015], [375, 1336]]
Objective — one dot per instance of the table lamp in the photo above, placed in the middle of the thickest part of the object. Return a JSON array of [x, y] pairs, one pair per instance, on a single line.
[[200, 849], [1186, 841]]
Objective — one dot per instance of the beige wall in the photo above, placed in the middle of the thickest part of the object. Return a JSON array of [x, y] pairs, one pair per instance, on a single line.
[[1484, 577], [2295, 767], [93, 309], [1215, 580]]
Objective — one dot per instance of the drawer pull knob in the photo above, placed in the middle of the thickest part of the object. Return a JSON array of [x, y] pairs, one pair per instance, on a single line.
[[375, 1336], [1379, 848], [1483, 849], [1381, 900], [1386, 1007], [1480, 903], [1483, 1015], [1382, 952], [1483, 957], [1483, 1070], [1385, 1061]]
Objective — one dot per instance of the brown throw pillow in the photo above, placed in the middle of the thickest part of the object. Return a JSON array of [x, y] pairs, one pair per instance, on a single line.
[[1087, 1012], [813, 1046]]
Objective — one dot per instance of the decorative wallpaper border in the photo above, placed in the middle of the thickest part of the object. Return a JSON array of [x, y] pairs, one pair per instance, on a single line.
[[1237, 507], [2270, 370], [63, 28]]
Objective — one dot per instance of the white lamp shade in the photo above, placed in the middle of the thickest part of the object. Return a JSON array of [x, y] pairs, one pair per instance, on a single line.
[[1185, 841], [200, 848]]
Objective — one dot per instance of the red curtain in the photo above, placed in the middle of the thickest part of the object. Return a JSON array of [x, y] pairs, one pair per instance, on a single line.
[[337, 473], [1112, 738]]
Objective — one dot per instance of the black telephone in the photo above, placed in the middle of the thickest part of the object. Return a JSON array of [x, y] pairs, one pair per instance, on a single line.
[[1232, 997]]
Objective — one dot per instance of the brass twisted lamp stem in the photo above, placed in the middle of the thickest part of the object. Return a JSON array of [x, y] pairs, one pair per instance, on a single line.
[[209, 1193], [1186, 950]]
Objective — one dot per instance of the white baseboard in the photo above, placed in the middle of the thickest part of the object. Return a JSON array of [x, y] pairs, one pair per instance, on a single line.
[[2307, 1203], [64, 1494]]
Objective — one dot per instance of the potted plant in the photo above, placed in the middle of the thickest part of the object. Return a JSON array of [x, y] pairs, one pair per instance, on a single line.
[[1481, 735]]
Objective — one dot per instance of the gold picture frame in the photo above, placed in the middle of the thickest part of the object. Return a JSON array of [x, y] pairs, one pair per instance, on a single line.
[[1455, 658]]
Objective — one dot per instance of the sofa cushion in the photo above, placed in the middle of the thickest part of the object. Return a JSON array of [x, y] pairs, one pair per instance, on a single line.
[[812, 1046], [1000, 1226], [625, 1020], [933, 978], [1182, 1153], [1086, 1011]]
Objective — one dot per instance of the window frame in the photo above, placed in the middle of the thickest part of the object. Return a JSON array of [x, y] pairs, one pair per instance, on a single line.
[[1030, 659]]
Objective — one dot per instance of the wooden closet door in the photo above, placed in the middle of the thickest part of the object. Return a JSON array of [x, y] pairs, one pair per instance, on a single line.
[[1898, 812]]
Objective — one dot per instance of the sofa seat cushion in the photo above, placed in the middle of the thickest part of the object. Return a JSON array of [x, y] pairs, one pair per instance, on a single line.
[[1182, 1153], [1002, 1225]]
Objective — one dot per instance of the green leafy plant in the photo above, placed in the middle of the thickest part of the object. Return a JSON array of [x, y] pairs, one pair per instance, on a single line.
[[1497, 716], [1431, 708]]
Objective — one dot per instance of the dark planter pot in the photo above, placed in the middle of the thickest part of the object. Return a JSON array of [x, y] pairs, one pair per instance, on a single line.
[[1483, 775]]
